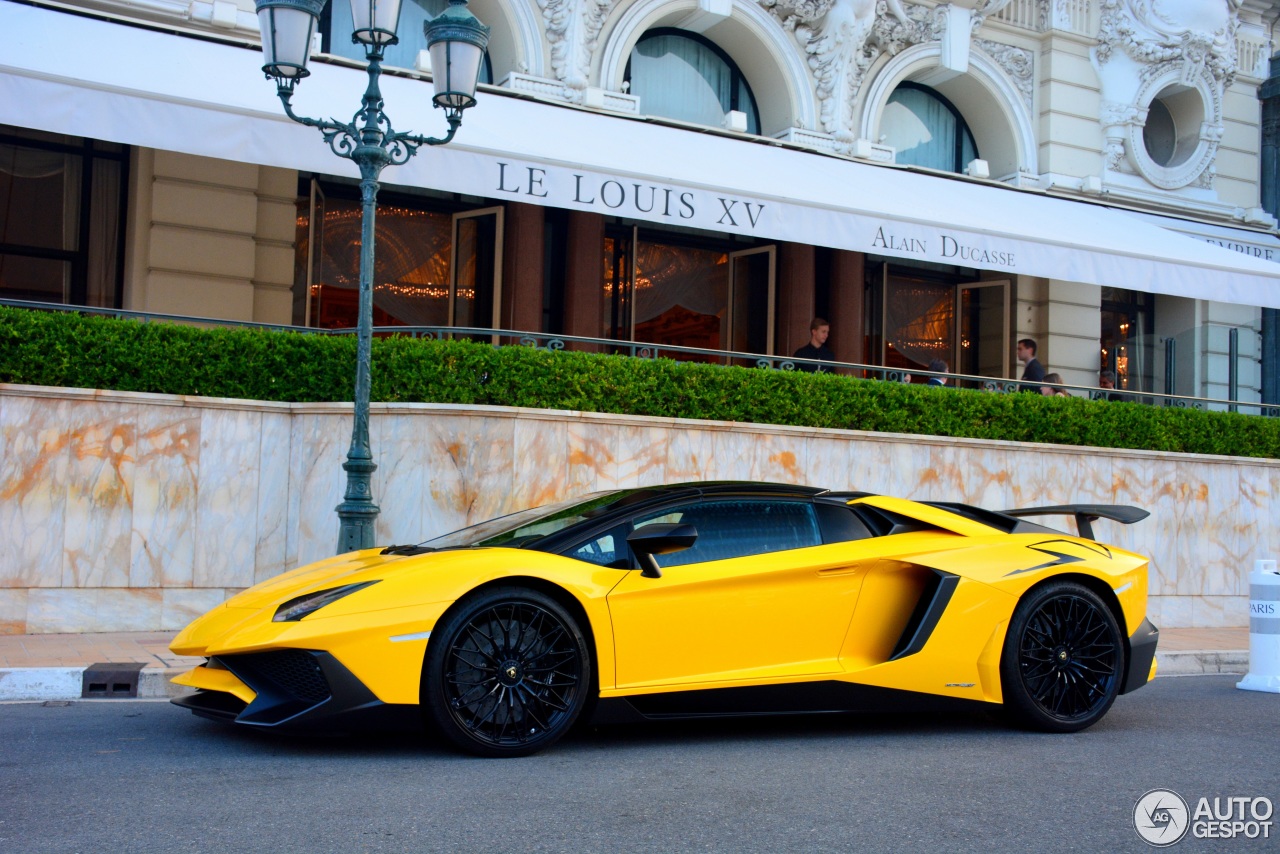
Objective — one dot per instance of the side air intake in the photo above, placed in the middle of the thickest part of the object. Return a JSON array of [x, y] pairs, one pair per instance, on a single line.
[[924, 618]]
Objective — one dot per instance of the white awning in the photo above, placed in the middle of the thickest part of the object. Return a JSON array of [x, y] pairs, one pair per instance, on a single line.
[[148, 88], [1264, 245]]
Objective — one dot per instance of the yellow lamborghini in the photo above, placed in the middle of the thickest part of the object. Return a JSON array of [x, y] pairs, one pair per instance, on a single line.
[[688, 600]]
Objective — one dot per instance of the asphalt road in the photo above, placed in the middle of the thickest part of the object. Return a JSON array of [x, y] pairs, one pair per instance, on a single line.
[[136, 776]]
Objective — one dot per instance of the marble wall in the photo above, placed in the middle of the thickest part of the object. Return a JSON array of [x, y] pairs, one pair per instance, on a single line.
[[137, 512]]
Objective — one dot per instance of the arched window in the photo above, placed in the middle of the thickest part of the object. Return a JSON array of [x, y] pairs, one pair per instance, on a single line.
[[681, 75], [926, 129]]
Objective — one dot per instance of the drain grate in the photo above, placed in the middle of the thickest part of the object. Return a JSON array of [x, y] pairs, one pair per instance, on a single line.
[[111, 680]]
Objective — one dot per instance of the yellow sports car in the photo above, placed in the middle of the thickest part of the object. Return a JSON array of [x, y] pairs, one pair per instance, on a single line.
[[688, 600]]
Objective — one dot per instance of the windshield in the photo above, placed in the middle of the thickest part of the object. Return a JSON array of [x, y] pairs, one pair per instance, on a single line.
[[518, 529]]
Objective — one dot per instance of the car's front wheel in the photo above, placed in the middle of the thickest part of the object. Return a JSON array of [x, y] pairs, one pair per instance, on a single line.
[[1063, 659], [507, 673]]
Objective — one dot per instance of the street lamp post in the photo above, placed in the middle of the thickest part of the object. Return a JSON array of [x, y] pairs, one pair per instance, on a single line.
[[456, 42]]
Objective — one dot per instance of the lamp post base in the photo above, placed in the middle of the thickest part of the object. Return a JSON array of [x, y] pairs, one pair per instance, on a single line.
[[357, 514]]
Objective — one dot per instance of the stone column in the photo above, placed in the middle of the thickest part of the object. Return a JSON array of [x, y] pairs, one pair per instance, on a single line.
[[845, 304], [522, 266], [794, 299], [584, 275]]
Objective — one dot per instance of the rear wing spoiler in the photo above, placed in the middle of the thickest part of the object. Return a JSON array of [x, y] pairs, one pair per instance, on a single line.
[[1086, 514]]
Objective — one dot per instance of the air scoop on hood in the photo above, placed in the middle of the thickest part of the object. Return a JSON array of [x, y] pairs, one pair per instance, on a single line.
[[333, 571]]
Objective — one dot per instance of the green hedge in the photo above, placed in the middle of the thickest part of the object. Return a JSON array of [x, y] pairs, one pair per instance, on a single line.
[[67, 349]]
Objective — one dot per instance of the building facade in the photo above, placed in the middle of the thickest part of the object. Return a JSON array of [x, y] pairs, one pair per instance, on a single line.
[[939, 180]]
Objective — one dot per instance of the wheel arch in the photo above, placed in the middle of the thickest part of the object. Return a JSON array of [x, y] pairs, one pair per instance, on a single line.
[[1104, 591], [548, 588], [1108, 597]]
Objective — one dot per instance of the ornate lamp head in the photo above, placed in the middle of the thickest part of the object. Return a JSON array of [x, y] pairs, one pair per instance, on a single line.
[[456, 40], [375, 21], [287, 27]]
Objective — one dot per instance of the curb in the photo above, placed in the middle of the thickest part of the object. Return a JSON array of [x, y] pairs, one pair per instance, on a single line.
[[67, 683], [1202, 662]]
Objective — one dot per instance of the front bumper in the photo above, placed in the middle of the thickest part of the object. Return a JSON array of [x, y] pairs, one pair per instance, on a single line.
[[1142, 657], [296, 690]]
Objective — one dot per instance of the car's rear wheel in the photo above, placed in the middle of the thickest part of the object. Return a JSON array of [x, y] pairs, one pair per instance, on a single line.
[[1063, 659], [506, 673]]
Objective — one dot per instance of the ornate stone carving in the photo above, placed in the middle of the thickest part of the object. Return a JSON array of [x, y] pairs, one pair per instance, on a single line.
[[1019, 64], [573, 27], [1122, 114], [1145, 47], [1114, 153], [1205, 181], [1201, 34], [842, 39]]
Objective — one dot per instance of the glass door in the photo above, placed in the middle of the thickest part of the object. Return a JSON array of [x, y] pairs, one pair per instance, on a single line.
[[751, 289], [981, 345], [413, 261], [307, 299], [681, 293], [1126, 338], [917, 321], [618, 320], [475, 290], [923, 318]]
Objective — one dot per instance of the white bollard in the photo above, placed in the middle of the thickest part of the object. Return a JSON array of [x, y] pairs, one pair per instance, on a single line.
[[1264, 629]]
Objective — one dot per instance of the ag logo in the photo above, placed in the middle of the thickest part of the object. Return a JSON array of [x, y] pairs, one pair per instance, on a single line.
[[1161, 817]]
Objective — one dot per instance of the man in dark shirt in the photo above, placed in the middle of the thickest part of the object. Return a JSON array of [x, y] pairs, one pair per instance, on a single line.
[[1107, 382], [819, 329], [1034, 372], [938, 366]]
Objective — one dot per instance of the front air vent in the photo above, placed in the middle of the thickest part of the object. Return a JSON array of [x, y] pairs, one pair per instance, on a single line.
[[292, 672], [287, 683]]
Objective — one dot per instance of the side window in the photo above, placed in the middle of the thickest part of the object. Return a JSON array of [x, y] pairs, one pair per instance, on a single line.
[[840, 524], [740, 527], [608, 549]]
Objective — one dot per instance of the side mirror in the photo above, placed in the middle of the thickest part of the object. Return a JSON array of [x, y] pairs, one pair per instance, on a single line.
[[659, 540]]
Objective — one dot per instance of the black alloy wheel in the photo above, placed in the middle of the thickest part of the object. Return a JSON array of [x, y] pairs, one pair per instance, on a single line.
[[1063, 659], [507, 673]]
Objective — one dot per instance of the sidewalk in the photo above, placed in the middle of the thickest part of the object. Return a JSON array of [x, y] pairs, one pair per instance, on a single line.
[[52, 667]]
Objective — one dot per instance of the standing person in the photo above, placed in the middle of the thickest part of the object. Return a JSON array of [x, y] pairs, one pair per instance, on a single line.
[[1034, 372], [817, 348], [938, 366]]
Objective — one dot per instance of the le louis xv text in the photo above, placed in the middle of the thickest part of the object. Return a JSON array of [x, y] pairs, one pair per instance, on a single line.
[[627, 197]]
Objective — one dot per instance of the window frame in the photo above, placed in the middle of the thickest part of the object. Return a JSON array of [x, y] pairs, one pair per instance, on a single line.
[[90, 153], [656, 514], [331, 188], [737, 80], [961, 124]]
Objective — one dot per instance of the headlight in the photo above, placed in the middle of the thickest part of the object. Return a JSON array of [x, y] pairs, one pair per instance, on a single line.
[[296, 609]]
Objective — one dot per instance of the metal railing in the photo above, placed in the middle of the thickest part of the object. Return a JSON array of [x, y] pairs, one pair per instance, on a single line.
[[646, 350]]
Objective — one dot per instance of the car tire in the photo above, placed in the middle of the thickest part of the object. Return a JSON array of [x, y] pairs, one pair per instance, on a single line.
[[1063, 659], [507, 673]]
